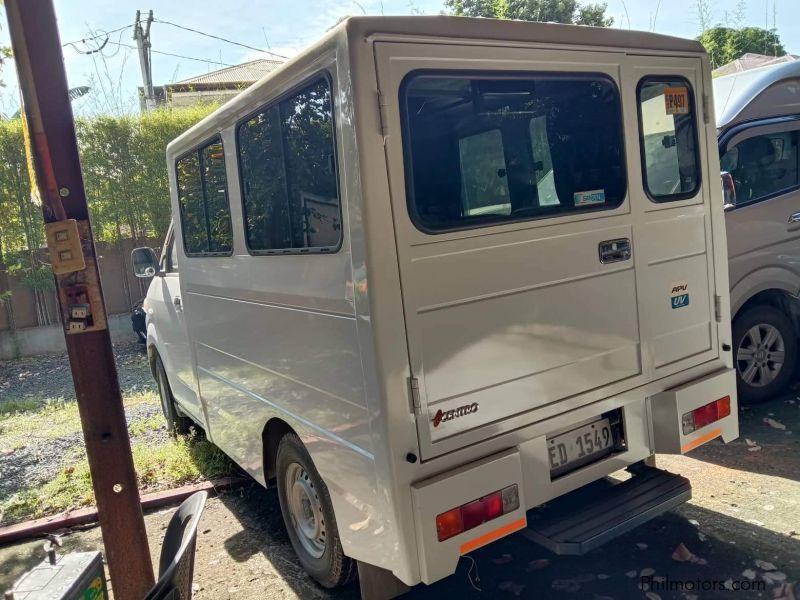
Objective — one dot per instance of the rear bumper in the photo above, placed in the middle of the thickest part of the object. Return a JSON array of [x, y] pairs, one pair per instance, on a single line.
[[651, 425], [669, 406]]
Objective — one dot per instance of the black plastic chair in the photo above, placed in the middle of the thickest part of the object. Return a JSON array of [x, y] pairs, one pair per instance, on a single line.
[[176, 566]]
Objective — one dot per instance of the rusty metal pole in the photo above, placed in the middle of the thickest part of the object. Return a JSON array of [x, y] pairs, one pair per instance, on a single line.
[[56, 169]]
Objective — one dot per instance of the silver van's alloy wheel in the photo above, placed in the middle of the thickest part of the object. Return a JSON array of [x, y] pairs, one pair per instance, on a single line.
[[760, 356], [305, 510]]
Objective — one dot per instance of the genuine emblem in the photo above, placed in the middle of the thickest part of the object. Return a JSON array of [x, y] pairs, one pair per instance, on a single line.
[[454, 413]]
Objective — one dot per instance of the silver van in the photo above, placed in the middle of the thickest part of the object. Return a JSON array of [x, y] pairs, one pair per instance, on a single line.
[[758, 124]]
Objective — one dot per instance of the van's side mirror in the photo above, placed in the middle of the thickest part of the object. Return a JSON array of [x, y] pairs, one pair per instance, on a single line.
[[145, 262], [728, 190]]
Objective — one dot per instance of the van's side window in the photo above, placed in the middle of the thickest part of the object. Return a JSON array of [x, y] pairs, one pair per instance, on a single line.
[[668, 138], [288, 169], [482, 150], [203, 198], [763, 166]]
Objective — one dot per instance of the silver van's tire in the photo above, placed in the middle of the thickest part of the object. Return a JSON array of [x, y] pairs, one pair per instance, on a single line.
[[308, 516], [177, 424], [765, 353]]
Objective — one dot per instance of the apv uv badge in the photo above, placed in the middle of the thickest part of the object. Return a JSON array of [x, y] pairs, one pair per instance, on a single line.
[[679, 295]]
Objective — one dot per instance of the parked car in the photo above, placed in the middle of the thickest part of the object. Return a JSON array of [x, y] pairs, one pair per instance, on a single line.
[[139, 322], [758, 122], [435, 273]]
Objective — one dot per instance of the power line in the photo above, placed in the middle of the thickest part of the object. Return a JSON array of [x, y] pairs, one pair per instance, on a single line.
[[95, 37], [222, 39], [203, 60], [129, 46]]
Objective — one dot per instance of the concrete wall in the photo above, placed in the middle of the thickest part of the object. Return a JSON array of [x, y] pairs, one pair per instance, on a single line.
[[48, 339]]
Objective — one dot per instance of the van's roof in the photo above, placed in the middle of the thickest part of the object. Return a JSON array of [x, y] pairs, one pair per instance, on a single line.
[[772, 91], [452, 28], [522, 31]]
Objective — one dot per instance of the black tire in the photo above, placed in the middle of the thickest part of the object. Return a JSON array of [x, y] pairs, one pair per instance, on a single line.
[[331, 569], [177, 424], [764, 317]]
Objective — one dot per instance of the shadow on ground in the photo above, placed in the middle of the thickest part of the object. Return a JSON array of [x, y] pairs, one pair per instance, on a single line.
[[515, 567], [779, 453]]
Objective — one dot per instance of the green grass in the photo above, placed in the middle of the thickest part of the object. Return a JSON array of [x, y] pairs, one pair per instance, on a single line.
[[138, 427], [53, 419], [161, 466], [15, 406]]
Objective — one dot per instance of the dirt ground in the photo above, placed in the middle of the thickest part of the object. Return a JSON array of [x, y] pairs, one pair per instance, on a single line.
[[744, 509]]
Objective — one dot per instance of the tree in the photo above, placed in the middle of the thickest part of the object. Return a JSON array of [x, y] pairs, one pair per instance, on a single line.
[[557, 11], [725, 44]]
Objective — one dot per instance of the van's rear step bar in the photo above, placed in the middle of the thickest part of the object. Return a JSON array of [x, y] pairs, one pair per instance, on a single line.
[[596, 513]]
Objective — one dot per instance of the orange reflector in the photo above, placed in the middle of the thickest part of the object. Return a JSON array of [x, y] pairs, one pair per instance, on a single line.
[[486, 538]]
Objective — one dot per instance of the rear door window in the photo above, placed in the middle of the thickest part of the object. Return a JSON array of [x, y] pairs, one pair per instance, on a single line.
[[763, 166], [668, 137], [485, 149]]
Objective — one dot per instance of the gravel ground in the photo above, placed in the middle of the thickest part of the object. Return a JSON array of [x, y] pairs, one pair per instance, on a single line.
[[46, 380], [47, 377]]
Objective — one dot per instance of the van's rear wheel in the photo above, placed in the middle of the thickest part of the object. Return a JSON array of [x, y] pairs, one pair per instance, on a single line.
[[176, 423], [765, 345], [308, 516]]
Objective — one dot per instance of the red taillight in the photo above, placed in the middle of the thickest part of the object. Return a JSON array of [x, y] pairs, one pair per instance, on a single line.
[[470, 515], [700, 417]]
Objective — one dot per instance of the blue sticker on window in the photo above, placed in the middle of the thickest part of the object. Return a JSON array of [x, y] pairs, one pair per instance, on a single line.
[[590, 197]]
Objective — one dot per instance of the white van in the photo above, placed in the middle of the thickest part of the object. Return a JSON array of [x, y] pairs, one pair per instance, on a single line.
[[758, 125], [436, 272]]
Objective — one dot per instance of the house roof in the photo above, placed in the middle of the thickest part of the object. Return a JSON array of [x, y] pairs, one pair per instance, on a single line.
[[229, 77], [750, 61]]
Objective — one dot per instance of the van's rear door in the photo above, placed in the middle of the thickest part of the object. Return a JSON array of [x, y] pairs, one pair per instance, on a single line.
[[536, 273]]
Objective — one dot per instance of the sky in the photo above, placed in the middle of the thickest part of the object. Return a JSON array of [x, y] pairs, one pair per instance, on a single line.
[[285, 28]]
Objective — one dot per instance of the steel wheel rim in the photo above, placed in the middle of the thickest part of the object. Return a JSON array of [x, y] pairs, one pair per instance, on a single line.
[[305, 510], [760, 356]]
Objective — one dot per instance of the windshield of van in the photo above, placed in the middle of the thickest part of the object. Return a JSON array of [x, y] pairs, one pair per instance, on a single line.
[[485, 149]]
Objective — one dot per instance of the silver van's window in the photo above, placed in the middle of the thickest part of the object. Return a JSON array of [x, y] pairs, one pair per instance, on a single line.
[[288, 170], [668, 137], [203, 199], [487, 149], [763, 166]]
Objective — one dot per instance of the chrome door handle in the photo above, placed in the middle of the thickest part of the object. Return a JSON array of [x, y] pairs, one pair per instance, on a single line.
[[612, 251], [795, 218], [177, 302]]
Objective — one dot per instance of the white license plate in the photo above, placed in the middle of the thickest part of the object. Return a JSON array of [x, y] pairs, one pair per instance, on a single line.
[[580, 446]]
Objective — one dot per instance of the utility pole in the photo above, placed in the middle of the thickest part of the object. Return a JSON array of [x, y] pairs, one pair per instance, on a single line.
[[141, 36], [57, 180]]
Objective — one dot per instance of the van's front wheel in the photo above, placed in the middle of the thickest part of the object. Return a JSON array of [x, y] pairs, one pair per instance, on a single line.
[[308, 516], [765, 345]]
